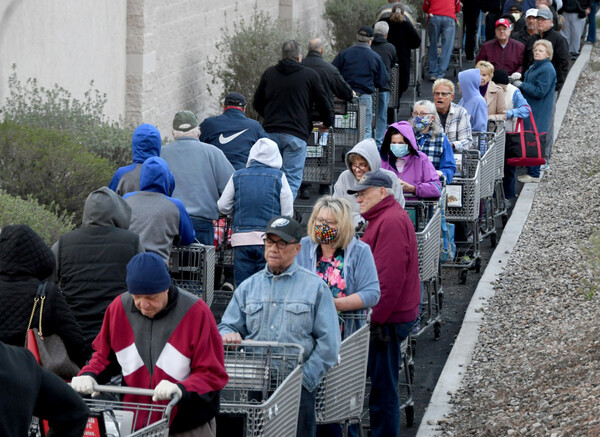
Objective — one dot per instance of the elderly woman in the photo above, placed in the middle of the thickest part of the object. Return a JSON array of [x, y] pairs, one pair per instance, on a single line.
[[492, 93], [400, 154], [538, 88], [361, 159], [432, 140], [345, 263], [25, 262]]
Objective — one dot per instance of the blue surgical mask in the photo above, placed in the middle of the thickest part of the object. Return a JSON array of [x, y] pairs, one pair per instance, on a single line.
[[399, 150], [421, 123]]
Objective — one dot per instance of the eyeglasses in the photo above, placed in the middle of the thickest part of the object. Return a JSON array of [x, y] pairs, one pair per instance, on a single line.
[[364, 192], [281, 244], [360, 166], [322, 221], [421, 114], [441, 94]]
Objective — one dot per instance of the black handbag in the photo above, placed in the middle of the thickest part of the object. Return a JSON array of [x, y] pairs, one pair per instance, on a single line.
[[50, 351], [525, 148]]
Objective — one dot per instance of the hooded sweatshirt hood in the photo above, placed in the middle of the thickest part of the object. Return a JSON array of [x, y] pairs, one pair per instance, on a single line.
[[266, 152], [288, 66], [24, 253], [104, 207], [469, 81], [155, 176], [405, 128], [145, 143], [368, 150]]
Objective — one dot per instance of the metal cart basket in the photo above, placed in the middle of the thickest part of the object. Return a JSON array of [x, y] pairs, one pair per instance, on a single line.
[[320, 157], [193, 268], [350, 124], [265, 382]]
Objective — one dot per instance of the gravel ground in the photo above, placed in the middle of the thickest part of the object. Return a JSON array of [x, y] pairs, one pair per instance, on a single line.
[[536, 367]]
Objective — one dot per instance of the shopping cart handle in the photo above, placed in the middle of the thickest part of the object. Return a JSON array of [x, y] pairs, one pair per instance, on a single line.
[[261, 343], [130, 391]]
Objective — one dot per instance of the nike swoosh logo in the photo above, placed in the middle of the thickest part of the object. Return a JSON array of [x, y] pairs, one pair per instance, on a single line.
[[225, 140]]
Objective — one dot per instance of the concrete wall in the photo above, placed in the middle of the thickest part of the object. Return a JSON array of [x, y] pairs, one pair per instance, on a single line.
[[69, 42], [149, 56]]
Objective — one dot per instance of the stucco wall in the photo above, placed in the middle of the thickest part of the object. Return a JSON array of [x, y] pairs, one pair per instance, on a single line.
[[149, 56], [69, 42]]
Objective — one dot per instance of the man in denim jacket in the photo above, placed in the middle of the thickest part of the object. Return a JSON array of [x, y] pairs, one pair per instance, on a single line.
[[289, 304]]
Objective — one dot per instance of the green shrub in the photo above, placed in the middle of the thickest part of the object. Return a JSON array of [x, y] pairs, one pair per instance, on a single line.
[[49, 165], [84, 120], [345, 17], [14, 210], [246, 53]]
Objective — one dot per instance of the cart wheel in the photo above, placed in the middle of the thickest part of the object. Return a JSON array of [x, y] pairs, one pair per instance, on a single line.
[[437, 330], [440, 300], [409, 411], [462, 277], [478, 265], [493, 240], [504, 220]]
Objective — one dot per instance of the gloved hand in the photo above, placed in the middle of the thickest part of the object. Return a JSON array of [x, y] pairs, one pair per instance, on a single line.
[[165, 390], [517, 83], [83, 384], [515, 76]]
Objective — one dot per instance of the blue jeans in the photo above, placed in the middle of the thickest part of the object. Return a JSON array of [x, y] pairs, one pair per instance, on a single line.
[[247, 260], [534, 171], [293, 154], [367, 100], [384, 368], [205, 232], [382, 106], [307, 418], [444, 27], [591, 36]]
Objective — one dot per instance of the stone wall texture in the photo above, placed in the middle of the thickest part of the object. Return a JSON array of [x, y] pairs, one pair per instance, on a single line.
[[149, 56]]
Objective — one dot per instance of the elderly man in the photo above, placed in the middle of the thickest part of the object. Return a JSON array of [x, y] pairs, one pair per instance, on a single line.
[[232, 131], [284, 98], [364, 71], [454, 119], [529, 30], [160, 337], [391, 235], [289, 304], [201, 172], [503, 52]]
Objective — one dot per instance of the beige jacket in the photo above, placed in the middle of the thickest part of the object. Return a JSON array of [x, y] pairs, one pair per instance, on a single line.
[[494, 97]]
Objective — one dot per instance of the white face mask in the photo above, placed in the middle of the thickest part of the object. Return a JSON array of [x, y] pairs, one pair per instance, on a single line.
[[517, 16]]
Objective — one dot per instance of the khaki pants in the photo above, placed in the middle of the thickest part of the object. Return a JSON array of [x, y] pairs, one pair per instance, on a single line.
[[209, 429]]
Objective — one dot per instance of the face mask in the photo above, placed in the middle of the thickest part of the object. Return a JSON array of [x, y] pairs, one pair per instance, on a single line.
[[325, 234], [517, 16], [399, 150], [421, 123]]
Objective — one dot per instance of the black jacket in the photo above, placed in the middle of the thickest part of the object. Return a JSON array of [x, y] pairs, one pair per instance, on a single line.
[[333, 82], [404, 37], [25, 261], [387, 51], [28, 389], [560, 59], [285, 96]]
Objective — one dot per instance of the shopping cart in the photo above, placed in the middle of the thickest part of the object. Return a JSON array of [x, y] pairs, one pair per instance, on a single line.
[[262, 396], [393, 102], [136, 418], [500, 205], [192, 268], [462, 206], [488, 163], [341, 392], [320, 157], [349, 126], [223, 227]]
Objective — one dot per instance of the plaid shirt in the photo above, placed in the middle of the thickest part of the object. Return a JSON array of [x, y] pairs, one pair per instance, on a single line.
[[458, 128]]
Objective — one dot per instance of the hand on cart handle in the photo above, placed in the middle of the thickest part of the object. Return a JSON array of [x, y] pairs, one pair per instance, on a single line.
[[83, 384], [232, 338], [166, 390], [322, 128]]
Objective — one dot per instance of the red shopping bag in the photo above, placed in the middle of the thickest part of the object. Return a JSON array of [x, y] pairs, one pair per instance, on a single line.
[[525, 148]]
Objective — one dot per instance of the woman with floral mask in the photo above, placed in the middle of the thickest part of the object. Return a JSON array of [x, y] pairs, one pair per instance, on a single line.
[[399, 153], [432, 140], [345, 263]]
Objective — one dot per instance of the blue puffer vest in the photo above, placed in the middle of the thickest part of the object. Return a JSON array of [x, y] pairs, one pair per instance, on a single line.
[[257, 191]]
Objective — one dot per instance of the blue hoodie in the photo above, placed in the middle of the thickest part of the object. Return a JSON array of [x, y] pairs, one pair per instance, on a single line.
[[145, 143], [158, 219], [472, 100]]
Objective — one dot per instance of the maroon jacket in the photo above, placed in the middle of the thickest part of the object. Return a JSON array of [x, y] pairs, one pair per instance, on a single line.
[[391, 236], [509, 58]]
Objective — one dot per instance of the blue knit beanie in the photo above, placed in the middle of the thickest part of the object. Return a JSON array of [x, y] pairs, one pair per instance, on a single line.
[[147, 274]]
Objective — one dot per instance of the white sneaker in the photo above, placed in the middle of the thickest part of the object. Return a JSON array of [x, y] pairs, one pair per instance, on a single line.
[[545, 167], [525, 179]]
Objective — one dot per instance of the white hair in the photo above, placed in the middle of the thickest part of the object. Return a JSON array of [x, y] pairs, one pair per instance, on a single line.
[[190, 133], [382, 28]]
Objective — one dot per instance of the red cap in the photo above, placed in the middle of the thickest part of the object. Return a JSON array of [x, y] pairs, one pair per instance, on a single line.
[[503, 22]]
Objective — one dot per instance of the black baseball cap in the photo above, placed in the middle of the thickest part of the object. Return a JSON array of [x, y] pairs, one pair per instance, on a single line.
[[366, 31], [285, 227], [372, 179], [235, 99]]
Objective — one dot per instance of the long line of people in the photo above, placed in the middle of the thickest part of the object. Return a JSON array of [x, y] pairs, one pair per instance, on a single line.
[[118, 307]]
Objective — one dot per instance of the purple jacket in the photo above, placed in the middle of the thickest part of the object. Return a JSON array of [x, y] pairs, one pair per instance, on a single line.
[[418, 169]]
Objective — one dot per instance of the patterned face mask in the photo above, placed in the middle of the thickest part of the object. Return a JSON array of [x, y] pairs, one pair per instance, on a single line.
[[421, 123], [325, 234]]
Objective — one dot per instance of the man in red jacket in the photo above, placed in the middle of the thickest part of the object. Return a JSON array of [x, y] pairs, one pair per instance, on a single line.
[[391, 236]]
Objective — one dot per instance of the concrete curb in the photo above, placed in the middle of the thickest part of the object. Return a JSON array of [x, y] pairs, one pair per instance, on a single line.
[[450, 379]]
